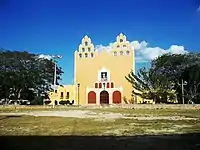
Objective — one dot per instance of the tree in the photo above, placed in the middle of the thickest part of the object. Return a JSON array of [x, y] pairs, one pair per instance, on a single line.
[[22, 71], [177, 67], [148, 85]]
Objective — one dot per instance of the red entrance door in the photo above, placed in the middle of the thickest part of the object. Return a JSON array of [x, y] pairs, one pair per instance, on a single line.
[[104, 97], [91, 97], [117, 97]]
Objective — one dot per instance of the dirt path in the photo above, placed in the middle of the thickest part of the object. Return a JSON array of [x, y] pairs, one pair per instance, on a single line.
[[96, 115]]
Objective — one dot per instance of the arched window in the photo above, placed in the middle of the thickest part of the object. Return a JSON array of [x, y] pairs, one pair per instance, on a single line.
[[83, 49], [108, 85], [86, 55], [124, 45], [115, 53], [127, 52], [112, 85], [80, 55], [121, 52], [89, 49], [86, 43], [92, 55], [121, 40], [117, 46], [100, 85], [96, 85]]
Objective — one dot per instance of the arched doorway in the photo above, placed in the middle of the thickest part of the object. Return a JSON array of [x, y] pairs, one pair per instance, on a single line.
[[56, 102], [117, 97], [91, 97], [104, 97]]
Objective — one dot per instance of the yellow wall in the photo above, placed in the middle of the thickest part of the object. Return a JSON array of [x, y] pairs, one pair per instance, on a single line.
[[86, 69], [57, 96]]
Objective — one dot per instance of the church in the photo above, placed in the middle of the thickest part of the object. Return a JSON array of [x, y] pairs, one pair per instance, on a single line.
[[99, 76]]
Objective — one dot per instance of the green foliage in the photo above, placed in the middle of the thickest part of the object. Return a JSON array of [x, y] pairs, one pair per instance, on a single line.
[[149, 86], [24, 75], [162, 80]]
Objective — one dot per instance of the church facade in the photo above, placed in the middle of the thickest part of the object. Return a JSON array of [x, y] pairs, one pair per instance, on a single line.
[[99, 76]]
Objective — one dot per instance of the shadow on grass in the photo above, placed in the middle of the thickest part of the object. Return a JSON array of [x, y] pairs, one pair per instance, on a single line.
[[10, 116], [159, 142]]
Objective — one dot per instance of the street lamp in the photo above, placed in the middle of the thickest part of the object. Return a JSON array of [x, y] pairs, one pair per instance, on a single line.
[[78, 92], [55, 58]]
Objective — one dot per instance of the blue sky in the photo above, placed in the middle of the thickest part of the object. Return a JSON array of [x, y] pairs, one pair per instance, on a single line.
[[57, 26]]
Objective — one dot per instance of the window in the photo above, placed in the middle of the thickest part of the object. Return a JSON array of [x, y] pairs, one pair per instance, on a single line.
[[103, 76], [83, 49], [96, 85], [56, 91], [80, 55], [115, 53], [121, 52], [118, 46], [124, 45], [86, 43], [112, 85], [92, 55], [127, 52], [67, 96], [86, 55], [61, 95], [100, 85], [108, 85], [89, 49], [121, 40]]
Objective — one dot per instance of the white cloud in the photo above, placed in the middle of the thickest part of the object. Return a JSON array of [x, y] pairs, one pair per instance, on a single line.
[[45, 56], [102, 48], [145, 53]]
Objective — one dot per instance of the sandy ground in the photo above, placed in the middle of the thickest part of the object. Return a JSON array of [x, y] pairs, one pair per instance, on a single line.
[[97, 115]]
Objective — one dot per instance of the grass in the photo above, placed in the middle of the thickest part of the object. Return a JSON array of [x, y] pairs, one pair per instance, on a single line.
[[60, 133], [30, 125]]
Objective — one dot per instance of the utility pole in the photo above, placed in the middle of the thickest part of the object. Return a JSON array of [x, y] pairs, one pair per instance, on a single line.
[[182, 87], [55, 75], [54, 82]]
